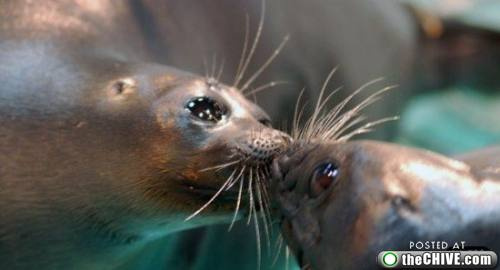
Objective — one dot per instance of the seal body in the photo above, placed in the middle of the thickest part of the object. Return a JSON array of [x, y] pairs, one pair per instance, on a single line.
[[103, 154], [342, 204]]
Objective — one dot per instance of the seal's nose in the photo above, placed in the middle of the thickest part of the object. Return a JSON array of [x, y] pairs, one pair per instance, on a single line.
[[292, 157], [262, 146], [281, 141], [287, 140]]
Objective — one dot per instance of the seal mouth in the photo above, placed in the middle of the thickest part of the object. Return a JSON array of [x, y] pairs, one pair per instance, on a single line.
[[207, 191]]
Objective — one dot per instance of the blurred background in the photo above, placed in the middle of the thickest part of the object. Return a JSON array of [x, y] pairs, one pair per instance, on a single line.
[[444, 55]]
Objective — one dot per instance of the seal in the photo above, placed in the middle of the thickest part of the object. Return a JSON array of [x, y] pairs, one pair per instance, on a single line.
[[343, 203], [77, 47], [102, 156]]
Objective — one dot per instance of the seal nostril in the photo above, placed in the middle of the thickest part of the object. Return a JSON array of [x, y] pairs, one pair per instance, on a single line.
[[119, 87], [286, 139]]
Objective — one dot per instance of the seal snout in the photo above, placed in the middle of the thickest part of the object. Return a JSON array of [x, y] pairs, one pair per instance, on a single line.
[[259, 148]]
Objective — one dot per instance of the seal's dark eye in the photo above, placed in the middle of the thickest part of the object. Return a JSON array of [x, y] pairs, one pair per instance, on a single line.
[[324, 176], [206, 109]]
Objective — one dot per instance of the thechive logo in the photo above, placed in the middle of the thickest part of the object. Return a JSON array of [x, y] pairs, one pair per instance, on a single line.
[[389, 259], [437, 259]]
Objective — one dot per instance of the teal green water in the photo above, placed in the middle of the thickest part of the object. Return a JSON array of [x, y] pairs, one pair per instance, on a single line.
[[450, 122]]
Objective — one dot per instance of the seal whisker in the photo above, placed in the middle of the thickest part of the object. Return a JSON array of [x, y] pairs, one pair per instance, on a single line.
[[254, 98], [317, 108], [331, 125], [257, 235], [326, 132], [221, 69], [331, 117], [205, 67], [297, 116], [265, 87], [266, 199], [347, 116], [310, 126], [250, 194], [264, 189], [219, 191], [367, 127], [220, 166], [214, 64], [263, 211], [254, 44], [238, 202], [236, 178], [266, 63], [244, 50], [278, 246]]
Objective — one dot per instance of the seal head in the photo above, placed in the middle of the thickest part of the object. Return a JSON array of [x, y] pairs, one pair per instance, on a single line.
[[98, 153], [343, 203]]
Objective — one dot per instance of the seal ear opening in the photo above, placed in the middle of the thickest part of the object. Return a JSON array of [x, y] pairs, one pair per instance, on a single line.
[[122, 87]]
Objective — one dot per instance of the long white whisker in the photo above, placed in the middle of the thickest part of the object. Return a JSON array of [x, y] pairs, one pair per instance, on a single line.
[[266, 64], [347, 116], [257, 235], [317, 108], [264, 87], [213, 197], [254, 44], [330, 122], [296, 119], [220, 166], [238, 202], [277, 246], [205, 66], [331, 134], [214, 64], [244, 50], [221, 69], [236, 178], [263, 211], [250, 194], [301, 131], [266, 199], [312, 127], [366, 128]]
